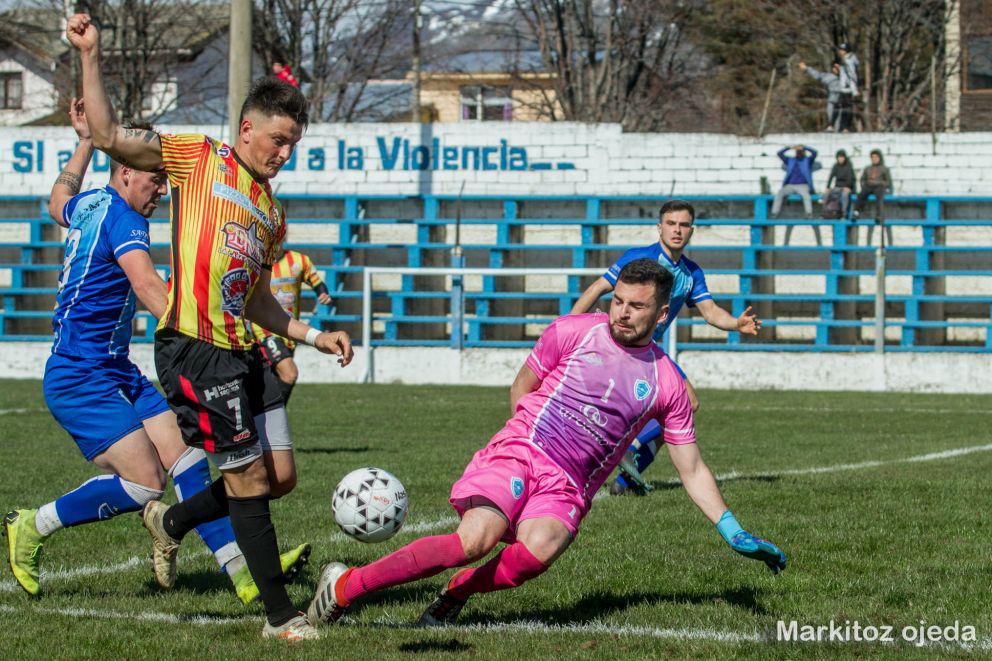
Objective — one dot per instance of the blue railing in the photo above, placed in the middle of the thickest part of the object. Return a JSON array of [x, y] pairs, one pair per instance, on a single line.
[[420, 315]]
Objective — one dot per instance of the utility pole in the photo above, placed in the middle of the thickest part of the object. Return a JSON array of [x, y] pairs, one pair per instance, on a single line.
[[239, 64], [417, 24]]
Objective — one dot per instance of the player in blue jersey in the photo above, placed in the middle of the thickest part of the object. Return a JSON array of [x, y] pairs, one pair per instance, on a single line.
[[675, 226], [117, 418]]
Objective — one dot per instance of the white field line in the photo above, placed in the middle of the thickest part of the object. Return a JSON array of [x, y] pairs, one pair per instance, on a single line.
[[836, 468], [828, 409], [522, 626], [13, 411]]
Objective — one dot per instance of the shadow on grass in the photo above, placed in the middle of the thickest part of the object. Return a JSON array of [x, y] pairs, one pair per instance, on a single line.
[[597, 605], [435, 646], [364, 448]]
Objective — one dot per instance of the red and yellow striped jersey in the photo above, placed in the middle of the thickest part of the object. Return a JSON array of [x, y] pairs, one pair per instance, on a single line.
[[226, 227], [288, 275]]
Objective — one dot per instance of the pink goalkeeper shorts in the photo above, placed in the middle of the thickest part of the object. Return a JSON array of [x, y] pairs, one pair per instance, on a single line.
[[522, 482]]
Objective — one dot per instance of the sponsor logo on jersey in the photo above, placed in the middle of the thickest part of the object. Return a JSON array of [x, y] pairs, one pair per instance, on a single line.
[[641, 389], [234, 291], [242, 243], [235, 196], [516, 487], [139, 234], [224, 151], [591, 358], [242, 436]]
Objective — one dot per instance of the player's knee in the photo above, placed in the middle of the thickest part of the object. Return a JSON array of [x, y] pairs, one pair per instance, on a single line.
[[545, 543], [148, 477], [143, 493], [288, 372], [475, 545], [281, 486], [247, 481]]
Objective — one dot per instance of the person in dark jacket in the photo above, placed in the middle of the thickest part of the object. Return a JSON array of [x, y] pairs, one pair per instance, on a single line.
[[876, 181], [842, 179]]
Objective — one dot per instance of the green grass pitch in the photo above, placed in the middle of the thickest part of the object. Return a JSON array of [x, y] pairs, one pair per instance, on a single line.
[[883, 542]]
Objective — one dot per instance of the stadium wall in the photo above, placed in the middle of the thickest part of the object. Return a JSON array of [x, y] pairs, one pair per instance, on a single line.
[[533, 158], [893, 372]]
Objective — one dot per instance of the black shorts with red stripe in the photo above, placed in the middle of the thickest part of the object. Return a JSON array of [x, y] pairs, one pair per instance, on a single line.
[[215, 393]]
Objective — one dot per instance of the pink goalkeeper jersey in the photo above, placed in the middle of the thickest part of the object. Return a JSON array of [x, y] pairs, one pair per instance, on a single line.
[[595, 396]]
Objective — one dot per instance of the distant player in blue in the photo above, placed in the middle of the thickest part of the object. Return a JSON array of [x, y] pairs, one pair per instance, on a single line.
[[117, 418], [675, 227]]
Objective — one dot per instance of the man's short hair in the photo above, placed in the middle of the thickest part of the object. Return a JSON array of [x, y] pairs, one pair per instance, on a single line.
[[643, 271], [272, 96], [677, 205], [142, 126]]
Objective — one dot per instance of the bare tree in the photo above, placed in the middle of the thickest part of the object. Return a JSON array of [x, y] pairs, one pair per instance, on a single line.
[[894, 40], [613, 60], [146, 46], [338, 47]]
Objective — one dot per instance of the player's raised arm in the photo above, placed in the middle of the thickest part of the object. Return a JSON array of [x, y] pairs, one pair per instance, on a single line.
[[263, 309], [70, 180], [525, 383], [592, 294], [136, 148]]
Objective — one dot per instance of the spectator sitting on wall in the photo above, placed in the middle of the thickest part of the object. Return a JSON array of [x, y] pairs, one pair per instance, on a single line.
[[876, 181], [798, 181], [282, 71], [842, 179], [832, 82]]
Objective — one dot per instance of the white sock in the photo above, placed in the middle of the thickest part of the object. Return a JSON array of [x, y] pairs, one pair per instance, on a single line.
[[235, 565], [47, 521]]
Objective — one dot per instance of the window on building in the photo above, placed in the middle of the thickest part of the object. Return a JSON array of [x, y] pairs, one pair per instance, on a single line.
[[12, 90], [978, 63], [486, 104], [161, 97]]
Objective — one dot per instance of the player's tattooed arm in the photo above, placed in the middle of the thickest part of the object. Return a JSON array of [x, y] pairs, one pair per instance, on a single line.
[[70, 180]]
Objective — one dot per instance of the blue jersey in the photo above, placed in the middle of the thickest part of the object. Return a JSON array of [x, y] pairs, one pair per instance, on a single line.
[[95, 304], [689, 286]]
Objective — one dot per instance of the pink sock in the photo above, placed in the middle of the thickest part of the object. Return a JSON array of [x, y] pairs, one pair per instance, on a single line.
[[512, 566], [420, 559]]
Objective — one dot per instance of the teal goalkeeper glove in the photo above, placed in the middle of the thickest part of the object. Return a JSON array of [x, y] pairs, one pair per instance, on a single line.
[[632, 476], [748, 545]]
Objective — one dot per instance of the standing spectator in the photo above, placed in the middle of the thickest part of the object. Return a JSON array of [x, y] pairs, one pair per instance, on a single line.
[[282, 71], [832, 82], [849, 87], [842, 179], [848, 68], [876, 181], [798, 181]]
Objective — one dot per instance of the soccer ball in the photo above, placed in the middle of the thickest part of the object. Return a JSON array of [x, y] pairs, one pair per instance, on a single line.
[[369, 504]]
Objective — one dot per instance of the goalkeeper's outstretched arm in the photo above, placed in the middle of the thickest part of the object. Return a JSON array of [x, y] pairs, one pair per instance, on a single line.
[[702, 489]]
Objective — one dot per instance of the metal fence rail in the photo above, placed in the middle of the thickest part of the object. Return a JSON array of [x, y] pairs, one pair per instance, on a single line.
[[934, 306]]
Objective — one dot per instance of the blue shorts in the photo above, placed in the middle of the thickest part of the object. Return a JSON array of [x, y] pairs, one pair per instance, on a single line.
[[99, 402]]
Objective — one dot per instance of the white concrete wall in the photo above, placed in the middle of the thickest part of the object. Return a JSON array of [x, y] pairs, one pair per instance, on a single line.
[[895, 372], [606, 161]]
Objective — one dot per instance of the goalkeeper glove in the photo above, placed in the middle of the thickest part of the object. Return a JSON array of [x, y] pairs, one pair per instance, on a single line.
[[632, 476], [748, 545]]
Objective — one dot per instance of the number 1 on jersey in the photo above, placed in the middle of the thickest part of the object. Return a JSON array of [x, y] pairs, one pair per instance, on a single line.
[[605, 398]]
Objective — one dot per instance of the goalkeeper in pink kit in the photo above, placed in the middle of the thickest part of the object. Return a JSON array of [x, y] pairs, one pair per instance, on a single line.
[[588, 387]]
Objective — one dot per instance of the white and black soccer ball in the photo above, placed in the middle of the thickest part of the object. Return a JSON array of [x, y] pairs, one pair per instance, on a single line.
[[369, 504]]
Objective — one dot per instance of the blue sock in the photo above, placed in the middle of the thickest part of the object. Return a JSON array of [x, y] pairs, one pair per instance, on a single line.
[[190, 475], [100, 498], [648, 447]]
